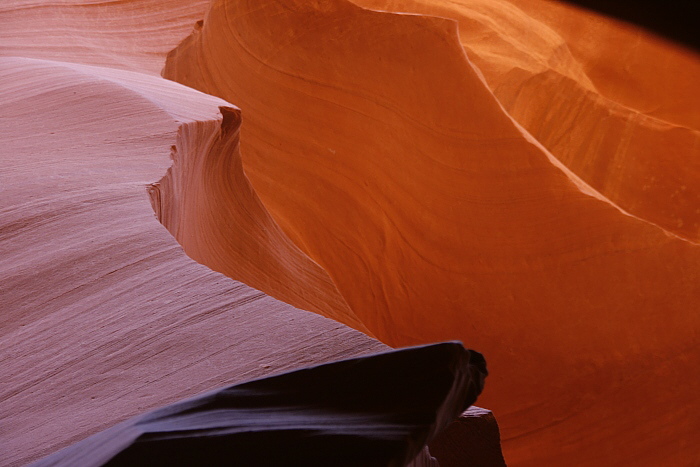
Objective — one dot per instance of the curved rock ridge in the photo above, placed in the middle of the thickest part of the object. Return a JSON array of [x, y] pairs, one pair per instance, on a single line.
[[207, 203], [377, 410], [616, 105], [380, 150], [212, 197], [103, 316], [656, 78], [126, 34]]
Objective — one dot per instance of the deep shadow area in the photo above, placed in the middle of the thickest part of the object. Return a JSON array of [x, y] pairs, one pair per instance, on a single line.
[[378, 410], [676, 20]]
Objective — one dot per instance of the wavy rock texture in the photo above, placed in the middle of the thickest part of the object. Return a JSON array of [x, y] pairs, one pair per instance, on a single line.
[[207, 203], [136, 35], [103, 315], [382, 152], [126, 34], [415, 207], [377, 410], [616, 105]]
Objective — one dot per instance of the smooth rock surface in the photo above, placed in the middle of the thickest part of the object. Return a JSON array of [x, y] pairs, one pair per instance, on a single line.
[[131, 35], [516, 176], [617, 105], [381, 150], [103, 314]]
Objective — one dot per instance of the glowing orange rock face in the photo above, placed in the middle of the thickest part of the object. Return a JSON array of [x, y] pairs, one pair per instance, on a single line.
[[383, 153], [207, 203], [616, 105], [413, 204]]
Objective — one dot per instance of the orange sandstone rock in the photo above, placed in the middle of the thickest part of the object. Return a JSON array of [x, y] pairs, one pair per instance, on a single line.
[[382, 152], [392, 161], [615, 104], [207, 203]]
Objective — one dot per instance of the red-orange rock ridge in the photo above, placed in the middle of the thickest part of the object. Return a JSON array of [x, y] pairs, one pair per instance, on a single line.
[[520, 175], [383, 153]]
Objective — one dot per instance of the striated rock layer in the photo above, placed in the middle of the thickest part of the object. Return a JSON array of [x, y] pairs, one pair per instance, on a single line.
[[615, 104], [128, 34], [207, 203], [103, 315], [526, 197], [382, 152]]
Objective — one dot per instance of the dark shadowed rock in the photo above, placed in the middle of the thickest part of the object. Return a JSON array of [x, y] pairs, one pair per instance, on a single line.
[[473, 440], [424, 459], [376, 410]]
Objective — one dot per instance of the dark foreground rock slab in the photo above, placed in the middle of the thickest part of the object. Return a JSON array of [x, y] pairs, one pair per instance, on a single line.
[[376, 410]]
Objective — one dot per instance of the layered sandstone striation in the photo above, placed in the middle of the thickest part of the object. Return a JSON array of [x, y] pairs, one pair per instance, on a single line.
[[615, 104], [131, 34], [207, 203], [519, 175], [103, 314], [382, 151]]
